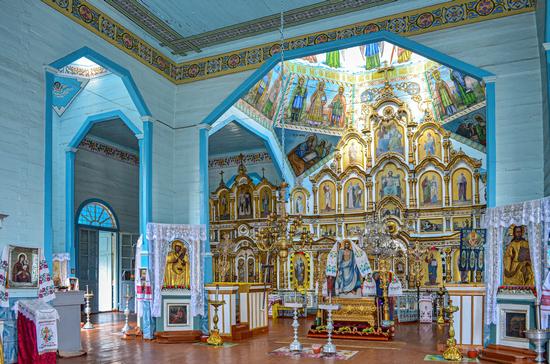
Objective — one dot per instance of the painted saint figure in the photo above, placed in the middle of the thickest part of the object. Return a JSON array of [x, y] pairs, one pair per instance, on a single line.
[[20, 270], [444, 95], [462, 187], [429, 145], [372, 53], [298, 100], [348, 278], [328, 197], [432, 269], [315, 112], [466, 94], [337, 108], [518, 270], [300, 270], [354, 196], [390, 139], [268, 109], [262, 85], [299, 207], [265, 204], [352, 153], [391, 185], [333, 59], [177, 272]]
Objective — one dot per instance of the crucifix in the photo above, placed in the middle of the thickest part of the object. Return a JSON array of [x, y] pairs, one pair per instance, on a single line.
[[385, 69], [221, 177], [263, 173]]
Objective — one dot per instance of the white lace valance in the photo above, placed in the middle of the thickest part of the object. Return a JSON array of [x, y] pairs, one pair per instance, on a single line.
[[160, 236], [535, 215]]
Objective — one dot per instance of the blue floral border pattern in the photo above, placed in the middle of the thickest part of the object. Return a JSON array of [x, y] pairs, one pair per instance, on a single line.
[[432, 18]]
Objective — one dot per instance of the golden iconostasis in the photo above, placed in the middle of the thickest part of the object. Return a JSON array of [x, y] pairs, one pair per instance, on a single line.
[[396, 142]]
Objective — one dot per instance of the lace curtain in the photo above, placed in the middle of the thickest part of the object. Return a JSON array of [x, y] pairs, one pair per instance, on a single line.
[[535, 215], [160, 237]]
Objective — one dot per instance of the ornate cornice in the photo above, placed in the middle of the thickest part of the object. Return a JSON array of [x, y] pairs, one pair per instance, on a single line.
[[180, 45], [432, 18]]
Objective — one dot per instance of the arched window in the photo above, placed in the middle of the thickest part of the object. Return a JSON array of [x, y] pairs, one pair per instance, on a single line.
[[97, 214]]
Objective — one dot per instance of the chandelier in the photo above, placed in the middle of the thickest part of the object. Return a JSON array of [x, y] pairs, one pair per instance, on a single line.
[[379, 238]]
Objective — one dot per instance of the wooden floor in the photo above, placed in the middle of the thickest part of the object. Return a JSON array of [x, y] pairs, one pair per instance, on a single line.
[[104, 345]]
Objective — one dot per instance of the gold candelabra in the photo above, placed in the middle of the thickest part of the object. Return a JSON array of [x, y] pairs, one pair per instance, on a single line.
[[214, 338], [451, 352], [283, 233], [441, 302], [384, 281]]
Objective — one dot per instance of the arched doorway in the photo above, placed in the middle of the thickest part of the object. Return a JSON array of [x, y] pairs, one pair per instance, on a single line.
[[96, 245]]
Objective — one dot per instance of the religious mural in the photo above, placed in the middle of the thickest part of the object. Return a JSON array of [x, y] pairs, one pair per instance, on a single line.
[[354, 192], [327, 200], [470, 129], [391, 182], [177, 270], [389, 138], [300, 269], [304, 150], [462, 186]]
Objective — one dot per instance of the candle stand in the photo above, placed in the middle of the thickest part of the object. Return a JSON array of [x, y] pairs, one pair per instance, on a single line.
[[127, 327], [88, 310], [215, 339], [538, 338], [329, 347], [295, 345]]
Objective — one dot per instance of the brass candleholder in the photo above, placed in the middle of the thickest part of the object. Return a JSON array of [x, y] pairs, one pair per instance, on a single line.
[[452, 352], [215, 338], [88, 309], [441, 302]]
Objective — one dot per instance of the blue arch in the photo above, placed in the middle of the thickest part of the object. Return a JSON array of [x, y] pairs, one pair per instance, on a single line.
[[104, 62], [402, 42], [269, 139], [145, 143], [104, 203], [98, 118]]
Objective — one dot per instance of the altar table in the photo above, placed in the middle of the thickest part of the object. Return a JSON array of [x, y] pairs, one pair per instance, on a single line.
[[36, 332]]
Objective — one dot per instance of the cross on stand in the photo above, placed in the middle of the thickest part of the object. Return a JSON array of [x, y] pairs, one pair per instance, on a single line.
[[385, 69]]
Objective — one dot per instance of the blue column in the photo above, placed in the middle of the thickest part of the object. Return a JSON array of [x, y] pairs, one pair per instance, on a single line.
[[48, 165], [491, 141], [70, 154], [204, 198], [145, 185]]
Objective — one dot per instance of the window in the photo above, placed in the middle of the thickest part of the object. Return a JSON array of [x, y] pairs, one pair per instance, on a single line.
[[97, 214]]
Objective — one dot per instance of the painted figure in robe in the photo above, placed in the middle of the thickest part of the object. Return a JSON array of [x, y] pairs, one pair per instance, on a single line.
[[298, 100], [354, 195], [372, 55], [300, 270], [177, 272], [333, 59], [262, 86], [467, 95], [429, 145], [265, 204], [462, 187], [348, 278], [268, 109], [403, 55], [352, 153], [318, 100], [391, 185], [389, 140], [328, 197], [432, 269], [430, 190], [299, 208], [337, 108], [307, 153], [444, 95], [518, 270]]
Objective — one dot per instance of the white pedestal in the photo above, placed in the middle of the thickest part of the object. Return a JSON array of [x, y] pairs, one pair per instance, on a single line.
[[469, 320], [68, 305]]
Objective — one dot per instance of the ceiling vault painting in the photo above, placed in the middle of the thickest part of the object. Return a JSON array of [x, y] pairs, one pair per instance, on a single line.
[[427, 19], [164, 28]]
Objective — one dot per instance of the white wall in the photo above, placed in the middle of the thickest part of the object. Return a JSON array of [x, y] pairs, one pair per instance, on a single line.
[[33, 34]]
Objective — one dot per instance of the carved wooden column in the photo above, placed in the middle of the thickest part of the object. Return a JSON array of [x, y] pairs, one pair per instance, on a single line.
[[412, 191], [232, 208], [447, 179], [367, 151], [370, 199], [446, 149], [338, 158], [256, 198], [314, 191], [476, 177], [339, 197], [411, 146]]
